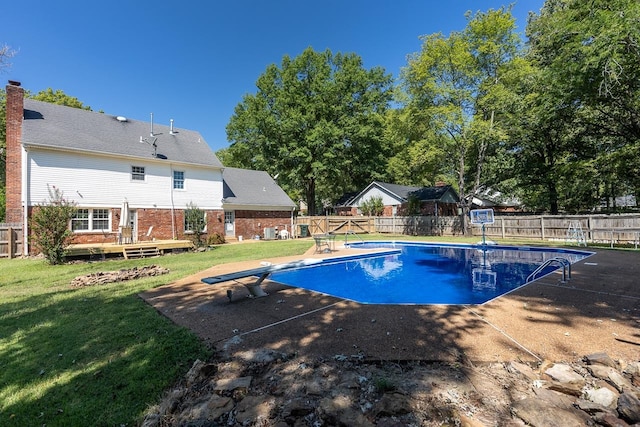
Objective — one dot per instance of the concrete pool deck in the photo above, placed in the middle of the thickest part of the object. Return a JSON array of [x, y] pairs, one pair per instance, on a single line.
[[597, 311]]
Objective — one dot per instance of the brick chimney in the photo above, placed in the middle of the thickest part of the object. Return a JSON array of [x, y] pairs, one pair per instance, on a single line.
[[14, 115]]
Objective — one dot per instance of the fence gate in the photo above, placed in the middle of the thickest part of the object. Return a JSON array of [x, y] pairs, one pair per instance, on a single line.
[[10, 240]]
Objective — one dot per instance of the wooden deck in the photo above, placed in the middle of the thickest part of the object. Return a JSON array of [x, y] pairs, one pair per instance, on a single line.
[[130, 250]]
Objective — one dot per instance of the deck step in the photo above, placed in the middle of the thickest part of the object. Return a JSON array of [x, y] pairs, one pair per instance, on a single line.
[[140, 252]]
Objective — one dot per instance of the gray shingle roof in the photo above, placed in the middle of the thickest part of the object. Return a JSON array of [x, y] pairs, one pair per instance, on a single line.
[[56, 126], [253, 188], [426, 194], [401, 191]]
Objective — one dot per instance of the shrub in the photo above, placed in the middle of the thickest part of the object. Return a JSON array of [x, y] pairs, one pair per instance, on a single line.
[[215, 239], [50, 226], [373, 206], [195, 223], [383, 385]]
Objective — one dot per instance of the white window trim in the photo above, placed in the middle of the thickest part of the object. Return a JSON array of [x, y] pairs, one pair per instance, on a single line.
[[90, 219], [204, 230], [144, 174], [184, 181]]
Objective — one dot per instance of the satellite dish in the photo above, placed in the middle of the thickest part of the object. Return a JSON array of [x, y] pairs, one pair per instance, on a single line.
[[121, 119]]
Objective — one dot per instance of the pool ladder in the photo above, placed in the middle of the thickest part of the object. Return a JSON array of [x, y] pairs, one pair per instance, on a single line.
[[562, 262], [347, 233]]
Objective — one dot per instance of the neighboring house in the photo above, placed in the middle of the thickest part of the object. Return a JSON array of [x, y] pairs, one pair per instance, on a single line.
[[491, 199], [100, 161], [254, 202], [440, 200]]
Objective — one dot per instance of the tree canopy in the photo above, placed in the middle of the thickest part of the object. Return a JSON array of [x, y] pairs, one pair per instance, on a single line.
[[578, 130], [316, 121], [455, 87]]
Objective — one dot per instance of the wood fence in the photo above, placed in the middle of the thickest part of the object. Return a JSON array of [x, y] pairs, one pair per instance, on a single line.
[[10, 240], [623, 228]]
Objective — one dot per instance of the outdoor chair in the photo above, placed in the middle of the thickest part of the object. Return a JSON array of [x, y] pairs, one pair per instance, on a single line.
[[125, 236]]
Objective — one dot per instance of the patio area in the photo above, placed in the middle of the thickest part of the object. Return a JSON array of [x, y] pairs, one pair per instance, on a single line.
[[128, 250], [597, 311]]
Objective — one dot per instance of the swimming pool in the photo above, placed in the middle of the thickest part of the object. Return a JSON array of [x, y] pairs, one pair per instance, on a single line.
[[425, 273]]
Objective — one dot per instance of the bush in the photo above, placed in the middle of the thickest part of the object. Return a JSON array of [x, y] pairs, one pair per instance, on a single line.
[[373, 206], [215, 239], [195, 223], [50, 226]]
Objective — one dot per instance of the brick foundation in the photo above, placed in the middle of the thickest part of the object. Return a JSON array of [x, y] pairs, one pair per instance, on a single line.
[[160, 219], [252, 223]]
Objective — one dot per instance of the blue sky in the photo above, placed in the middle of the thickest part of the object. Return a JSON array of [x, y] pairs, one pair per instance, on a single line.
[[193, 61]]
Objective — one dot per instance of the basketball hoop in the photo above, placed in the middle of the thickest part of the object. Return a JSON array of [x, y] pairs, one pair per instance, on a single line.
[[482, 217]]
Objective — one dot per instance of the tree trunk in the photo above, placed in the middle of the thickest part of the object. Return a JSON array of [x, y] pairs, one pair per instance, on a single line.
[[310, 194], [553, 197]]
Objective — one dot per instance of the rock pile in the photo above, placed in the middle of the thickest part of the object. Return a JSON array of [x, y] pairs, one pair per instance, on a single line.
[[104, 277], [271, 389]]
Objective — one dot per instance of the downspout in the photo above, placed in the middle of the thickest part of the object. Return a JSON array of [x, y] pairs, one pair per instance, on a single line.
[[292, 223], [25, 205], [173, 214]]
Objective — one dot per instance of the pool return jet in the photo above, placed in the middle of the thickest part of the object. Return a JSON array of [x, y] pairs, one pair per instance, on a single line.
[[261, 273]]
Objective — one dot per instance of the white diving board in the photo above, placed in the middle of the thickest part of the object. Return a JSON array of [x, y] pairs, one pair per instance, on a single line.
[[261, 273]]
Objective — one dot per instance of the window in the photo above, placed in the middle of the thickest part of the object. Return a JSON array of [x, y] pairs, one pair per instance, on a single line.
[[195, 219], [100, 220], [137, 173], [80, 220], [91, 220], [178, 180]]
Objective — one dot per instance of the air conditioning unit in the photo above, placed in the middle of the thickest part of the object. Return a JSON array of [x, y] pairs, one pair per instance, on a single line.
[[269, 233]]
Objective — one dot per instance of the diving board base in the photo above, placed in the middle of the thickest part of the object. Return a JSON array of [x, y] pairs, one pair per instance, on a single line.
[[255, 290], [262, 273]]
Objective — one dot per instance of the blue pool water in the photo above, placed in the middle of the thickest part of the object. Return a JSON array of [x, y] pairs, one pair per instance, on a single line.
[[422, 273]]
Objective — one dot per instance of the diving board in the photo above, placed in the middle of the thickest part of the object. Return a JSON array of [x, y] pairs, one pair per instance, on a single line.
[[261, 273]]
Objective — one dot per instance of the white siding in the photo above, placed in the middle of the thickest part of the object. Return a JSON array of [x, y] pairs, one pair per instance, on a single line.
[[387, 199], [106, 181]]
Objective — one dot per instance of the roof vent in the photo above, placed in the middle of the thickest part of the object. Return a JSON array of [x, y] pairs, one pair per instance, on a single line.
[[121, 119]]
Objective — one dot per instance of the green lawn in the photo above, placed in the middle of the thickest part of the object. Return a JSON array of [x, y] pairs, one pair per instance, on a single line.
[[99, 355]]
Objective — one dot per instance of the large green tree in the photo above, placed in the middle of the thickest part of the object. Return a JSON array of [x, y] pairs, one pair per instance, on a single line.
[[454, 87], [317, 122], [59, 97], [577, 131]]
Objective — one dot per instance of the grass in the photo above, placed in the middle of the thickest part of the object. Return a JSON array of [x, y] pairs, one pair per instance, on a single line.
[[96, 355], [100, 355]]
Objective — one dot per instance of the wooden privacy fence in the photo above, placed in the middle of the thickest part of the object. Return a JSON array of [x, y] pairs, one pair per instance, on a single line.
[[10, 240], [623, 228], [335, 224]]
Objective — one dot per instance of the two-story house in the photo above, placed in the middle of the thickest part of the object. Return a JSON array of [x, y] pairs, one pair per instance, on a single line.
[[99, 161]]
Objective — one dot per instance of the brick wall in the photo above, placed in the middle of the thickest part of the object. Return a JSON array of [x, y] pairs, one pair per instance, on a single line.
[[252, 223], [14, 114], [160, 219]]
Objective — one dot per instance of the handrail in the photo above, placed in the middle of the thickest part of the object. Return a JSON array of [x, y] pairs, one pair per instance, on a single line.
[[563, 262], [346, 233]]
